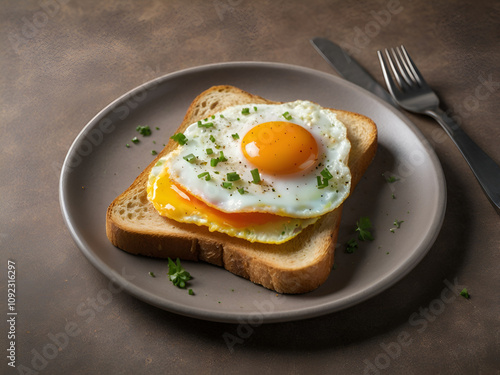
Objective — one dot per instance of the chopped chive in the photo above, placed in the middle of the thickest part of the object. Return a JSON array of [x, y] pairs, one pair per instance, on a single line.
[[206, 175], [233, 176], [179, 138], [157, 128], [209, 151], [222, 157], [221, 116], [321, 183], [212, 138], [255, 109], [127, 145], [213, 116], [287, 116], [235, 136], [227, 185], [190, 158], [255, 176], [326, 177], [245, 111], [206, 125], [241, 191], [135, 140], [326, 174], [153, 152], [215, 161], [190, 292], [152, 274]]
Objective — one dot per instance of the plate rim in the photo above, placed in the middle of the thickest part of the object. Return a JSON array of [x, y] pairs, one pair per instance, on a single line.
[[228, 317]]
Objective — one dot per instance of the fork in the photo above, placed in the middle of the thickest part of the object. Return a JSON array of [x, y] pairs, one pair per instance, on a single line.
[[412, 93]]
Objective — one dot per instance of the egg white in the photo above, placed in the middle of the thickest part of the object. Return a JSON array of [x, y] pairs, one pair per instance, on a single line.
[[294, 195]]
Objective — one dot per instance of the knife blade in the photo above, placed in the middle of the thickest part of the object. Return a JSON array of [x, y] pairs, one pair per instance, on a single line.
[[348, 68]]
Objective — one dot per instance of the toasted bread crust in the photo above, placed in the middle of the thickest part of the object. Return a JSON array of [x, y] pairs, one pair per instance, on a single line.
[[297, 266]]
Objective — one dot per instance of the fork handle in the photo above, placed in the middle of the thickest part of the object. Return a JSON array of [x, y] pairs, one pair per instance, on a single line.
[[484, 168]]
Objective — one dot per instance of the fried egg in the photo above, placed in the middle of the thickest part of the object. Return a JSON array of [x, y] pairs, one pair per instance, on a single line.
[[261, 172]]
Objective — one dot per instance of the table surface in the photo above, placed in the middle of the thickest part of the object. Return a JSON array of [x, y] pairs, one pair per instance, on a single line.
[[63, 61]]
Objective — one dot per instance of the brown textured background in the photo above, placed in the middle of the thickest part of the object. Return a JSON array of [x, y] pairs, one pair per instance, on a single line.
[[63, 61]]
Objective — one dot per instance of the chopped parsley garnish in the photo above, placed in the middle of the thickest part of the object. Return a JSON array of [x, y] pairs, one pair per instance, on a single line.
[[221, 116], [227, 185], [287, 116], [179, 138], [209, 151], [235, 136], [135, 140], [390, 179], [144, 130], [152, 274], [153, 152], [190, 292], [213, 116], [464, 293], [190, 158], [177, 274], [255, 176], [205, 175], [397, 223], [233, 176], [127, 145], [157, 128], [351, 245], [245, 111], [363, 227]]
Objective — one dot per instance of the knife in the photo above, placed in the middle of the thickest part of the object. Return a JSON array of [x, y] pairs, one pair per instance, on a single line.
[[348, 68]]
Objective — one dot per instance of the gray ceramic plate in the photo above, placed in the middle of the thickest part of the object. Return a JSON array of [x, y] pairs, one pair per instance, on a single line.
[[99, 167]]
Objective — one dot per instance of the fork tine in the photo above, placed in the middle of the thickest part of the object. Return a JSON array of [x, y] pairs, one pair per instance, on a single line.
[[393, 68], [401, 70], [413, 68], [391, 85], [405, 70]]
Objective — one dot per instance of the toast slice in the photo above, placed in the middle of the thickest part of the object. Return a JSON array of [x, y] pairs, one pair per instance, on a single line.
[[296, 266]]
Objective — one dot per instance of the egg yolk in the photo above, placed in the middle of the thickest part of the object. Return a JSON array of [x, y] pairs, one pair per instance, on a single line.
[[280, 148], [172, 201]]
